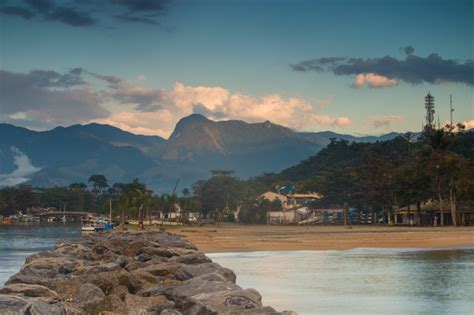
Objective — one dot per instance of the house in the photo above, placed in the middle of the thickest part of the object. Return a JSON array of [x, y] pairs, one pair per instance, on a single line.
[[281, 217], [429, 214], [294, 205]]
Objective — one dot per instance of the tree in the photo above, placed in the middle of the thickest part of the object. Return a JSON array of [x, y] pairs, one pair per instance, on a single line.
[[254, 211], [99, 183], [185, 192], [78, 186], [219, 192]]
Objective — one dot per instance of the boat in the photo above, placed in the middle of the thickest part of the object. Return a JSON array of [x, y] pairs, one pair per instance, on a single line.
[[88, 227], [96, 226]]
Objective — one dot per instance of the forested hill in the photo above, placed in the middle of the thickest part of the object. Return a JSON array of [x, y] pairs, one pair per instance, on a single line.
[[341, 154]]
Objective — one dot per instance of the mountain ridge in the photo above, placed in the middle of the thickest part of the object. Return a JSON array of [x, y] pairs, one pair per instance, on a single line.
[[197, 145]]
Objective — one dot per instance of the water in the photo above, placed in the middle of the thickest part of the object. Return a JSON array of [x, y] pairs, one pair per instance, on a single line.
[[17, 241], [359, 281]]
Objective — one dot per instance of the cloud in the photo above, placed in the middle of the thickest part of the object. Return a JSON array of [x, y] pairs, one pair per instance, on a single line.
[[70, 16], [323, 103], [384, 121], [50, 97], [158, 123], [80, 13], [24, 169], [413, 69], [373, 80], [469, 124], [122, 91], [54, 98], [219, 103], [17, 11]]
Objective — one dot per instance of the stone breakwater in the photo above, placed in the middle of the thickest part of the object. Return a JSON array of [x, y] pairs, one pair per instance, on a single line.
[[127, 273]]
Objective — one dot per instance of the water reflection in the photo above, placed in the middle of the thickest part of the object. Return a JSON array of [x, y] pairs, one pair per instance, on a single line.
[[17, 241], [361, 281]]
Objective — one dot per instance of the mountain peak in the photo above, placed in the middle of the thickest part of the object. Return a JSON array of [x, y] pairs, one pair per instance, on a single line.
[[195, 118]]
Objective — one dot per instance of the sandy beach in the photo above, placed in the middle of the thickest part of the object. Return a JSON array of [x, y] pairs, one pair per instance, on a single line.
[[239, 238]]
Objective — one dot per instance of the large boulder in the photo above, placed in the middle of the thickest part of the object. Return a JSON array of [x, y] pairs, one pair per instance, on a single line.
[[126, 273]]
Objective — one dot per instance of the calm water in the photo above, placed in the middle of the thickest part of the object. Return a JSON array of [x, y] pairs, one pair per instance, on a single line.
[[17, 241], [361, 281]]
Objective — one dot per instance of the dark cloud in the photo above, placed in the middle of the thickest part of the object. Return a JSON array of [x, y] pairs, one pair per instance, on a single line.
[[49, 96], [141, 19], [316, 64], [70, 16], [413, 69], [142, 5], [40, 5], [82, 13], [144, 99], [49, 78], [17, 11]]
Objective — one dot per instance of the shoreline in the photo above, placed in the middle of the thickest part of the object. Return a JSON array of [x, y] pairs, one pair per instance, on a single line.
[[250, 238]]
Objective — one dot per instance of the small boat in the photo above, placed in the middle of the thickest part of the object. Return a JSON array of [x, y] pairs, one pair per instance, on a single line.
[[88, 227], [96, 226]]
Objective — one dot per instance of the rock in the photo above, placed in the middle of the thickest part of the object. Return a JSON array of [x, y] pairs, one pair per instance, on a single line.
[[233, 301], [141, 305], [126, 273], [143, 257], [186, 272], [41, 308], [13, 305], [88, 295], [30, 290], [191, 259], [161, 269]]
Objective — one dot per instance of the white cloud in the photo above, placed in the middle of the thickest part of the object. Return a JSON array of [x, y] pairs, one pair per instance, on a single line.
[[219, 103], [384, 121], [373, 80], [23, 170], [469, 124]]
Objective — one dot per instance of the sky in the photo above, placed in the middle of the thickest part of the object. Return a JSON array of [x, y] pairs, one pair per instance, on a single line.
[[355, 67]]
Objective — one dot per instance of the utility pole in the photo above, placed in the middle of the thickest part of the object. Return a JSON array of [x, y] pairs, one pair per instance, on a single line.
[[110, 210], [451, 109]]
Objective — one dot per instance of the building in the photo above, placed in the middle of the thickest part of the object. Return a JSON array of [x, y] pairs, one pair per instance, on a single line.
[[294, 206], [429, 214]]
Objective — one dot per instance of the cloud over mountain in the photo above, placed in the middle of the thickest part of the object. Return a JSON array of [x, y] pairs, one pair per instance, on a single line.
[[74, 97], [24, 169], [50, 97]]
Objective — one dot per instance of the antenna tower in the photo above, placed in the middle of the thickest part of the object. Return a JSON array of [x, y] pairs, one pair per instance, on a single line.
[[429, 106], [451, 109]]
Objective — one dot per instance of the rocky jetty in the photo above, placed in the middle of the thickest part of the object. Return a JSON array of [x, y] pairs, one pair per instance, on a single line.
[[127, 273]]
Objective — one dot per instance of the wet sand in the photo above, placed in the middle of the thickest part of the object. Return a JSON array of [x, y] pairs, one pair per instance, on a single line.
[[240, 238]]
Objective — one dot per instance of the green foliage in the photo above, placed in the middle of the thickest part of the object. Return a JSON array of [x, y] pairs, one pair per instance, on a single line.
[[99, 183], [254, 211], [218, 192]]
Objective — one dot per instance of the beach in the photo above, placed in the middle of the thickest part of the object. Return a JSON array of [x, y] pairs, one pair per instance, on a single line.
[[244, 238]]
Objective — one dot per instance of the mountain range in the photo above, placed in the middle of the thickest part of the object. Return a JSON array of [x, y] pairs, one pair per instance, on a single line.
[[197, 145]]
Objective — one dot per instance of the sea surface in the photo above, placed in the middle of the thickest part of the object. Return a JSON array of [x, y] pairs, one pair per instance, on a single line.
[[17, 241], [358, 281]]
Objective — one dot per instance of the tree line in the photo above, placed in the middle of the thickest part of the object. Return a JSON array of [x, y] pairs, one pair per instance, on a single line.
[[380, 176]]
